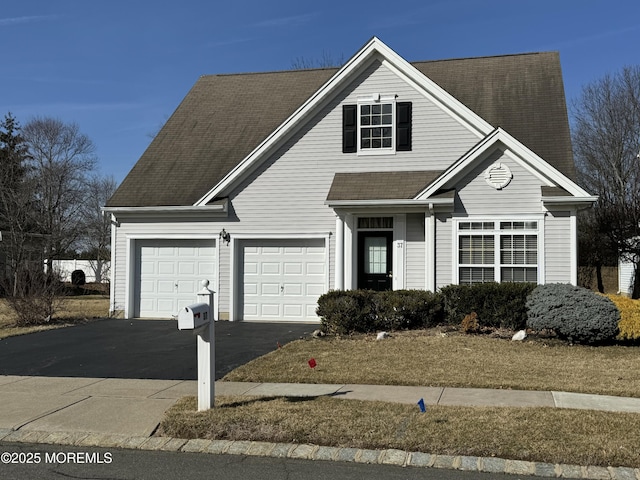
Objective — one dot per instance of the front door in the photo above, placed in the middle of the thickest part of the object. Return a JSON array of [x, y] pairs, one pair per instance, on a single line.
[[375, 260]]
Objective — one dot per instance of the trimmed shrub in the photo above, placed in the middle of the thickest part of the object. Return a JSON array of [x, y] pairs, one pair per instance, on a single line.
[[629, 309], [78, 278], [573, 313], [498, 305], [351, 311]]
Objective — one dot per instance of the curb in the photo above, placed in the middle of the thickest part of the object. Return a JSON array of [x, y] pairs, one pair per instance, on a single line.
[[398, 458]]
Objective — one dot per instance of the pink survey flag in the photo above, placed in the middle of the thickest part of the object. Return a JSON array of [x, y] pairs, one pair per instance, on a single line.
[[312, 363]]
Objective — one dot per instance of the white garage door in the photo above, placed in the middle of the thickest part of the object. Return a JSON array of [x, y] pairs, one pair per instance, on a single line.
[[282, 279], [168, 274]]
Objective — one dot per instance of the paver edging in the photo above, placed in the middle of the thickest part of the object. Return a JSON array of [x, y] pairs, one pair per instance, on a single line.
[[315, 452]]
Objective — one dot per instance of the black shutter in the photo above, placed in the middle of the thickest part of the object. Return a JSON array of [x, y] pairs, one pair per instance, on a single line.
[[349, 128], [403, 126]]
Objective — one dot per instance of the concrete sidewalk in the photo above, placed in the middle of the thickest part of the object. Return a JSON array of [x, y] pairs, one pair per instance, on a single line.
[[135, 407], [123, 413]]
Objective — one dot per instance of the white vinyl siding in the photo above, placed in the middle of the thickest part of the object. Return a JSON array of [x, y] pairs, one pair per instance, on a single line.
[[415, 252], [279, 196], [476, 197], [626, 277], [444, 250], [277, 192], [558, 247]]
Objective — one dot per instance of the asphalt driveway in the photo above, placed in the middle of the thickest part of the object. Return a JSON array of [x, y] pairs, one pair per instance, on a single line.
[[152, 349]]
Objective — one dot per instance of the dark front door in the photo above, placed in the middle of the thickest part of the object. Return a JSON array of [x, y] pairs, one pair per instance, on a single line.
[[375, 260]]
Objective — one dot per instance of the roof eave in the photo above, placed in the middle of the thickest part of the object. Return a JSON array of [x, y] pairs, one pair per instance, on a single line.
[[428, 203], [220, 209]]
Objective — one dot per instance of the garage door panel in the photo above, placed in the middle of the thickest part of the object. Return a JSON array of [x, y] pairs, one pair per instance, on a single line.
[[272, 289], [168, 274], [293, 311], [282, 279], [270, 310], [315, 269], [186, 268], [165, 287], [188, 287], [293, 268], [270, 268], [314, 289], [206, 269]]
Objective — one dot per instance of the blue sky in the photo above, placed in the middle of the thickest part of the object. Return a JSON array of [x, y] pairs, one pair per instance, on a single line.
[[120, 68]]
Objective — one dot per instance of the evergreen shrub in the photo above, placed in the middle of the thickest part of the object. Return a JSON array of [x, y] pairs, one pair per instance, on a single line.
[[573, 313], [363, 311], [498, 305], [629, 309]]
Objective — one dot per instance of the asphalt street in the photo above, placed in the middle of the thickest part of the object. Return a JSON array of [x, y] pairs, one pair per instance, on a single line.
[[59, 462], [150, 349]]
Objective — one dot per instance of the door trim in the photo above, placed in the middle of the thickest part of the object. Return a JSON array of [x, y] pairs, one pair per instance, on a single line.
[[362, 236]]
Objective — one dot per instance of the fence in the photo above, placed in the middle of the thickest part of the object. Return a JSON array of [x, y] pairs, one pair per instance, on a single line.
[[94, 271]]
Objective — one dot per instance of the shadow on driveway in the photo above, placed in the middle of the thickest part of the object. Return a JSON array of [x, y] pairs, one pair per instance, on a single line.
[[152, 349]]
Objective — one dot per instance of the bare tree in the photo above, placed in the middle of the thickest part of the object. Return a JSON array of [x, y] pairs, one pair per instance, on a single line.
[[606, 140], [61, 158], [97, 234], [326, 60]]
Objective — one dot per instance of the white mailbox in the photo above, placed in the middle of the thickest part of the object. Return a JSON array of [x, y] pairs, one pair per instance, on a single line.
[[193, 316]]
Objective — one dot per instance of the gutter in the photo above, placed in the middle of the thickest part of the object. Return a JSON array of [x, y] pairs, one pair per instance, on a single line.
[[220, 209]]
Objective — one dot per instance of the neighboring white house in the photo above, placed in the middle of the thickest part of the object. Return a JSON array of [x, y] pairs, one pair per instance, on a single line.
[[89, 267], [381, 174], [626, 277]]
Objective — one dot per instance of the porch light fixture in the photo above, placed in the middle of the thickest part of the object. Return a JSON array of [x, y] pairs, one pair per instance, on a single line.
[[225, 236]]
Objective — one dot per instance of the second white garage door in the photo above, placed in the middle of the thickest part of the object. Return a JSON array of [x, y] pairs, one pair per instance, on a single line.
[[168, 275], [282, 279]]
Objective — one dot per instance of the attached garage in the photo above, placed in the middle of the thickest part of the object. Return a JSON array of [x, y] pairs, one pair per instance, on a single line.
[[168, 274], [281, 280]]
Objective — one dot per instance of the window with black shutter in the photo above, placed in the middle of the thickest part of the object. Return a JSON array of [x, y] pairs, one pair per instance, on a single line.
[[403, 126], [349, 129], [376, 127]]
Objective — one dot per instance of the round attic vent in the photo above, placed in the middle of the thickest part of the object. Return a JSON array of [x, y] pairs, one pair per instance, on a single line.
[[498, 175]]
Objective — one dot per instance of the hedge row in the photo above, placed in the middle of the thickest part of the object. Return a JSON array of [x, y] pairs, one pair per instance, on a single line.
[[350, 311], [499, 305], [573, 313]]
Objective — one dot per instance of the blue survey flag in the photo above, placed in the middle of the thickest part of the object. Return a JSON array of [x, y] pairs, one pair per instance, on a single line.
[[421, 405]]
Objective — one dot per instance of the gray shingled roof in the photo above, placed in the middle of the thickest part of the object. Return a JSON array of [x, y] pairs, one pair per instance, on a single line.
[[380, 185], [224, 117]]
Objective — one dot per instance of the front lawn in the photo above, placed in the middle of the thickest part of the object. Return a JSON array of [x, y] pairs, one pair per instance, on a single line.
[[433, 358], [436, 358]]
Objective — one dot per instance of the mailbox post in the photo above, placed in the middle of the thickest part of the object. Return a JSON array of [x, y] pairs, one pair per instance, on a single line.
[[199, 318]]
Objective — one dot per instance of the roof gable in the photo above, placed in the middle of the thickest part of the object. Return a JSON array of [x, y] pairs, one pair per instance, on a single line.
[[547, 174], [226, 121]]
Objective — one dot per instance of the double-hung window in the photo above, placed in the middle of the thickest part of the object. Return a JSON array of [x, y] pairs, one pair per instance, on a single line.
[[380, 126], [376, 126], [497, 251]]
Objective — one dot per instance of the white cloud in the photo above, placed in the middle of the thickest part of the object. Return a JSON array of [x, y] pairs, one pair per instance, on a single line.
[[7, 22], [294, 21]]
